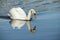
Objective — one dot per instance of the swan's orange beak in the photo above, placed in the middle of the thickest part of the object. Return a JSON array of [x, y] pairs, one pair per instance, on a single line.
[[34, 15]]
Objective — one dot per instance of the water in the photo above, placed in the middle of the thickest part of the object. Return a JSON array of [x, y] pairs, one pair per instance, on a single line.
[[47, 21]]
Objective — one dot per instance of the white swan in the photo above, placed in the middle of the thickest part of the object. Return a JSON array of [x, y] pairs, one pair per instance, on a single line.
[[18, 13]]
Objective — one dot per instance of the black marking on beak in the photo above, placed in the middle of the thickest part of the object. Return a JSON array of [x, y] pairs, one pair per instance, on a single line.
[[34, 13]]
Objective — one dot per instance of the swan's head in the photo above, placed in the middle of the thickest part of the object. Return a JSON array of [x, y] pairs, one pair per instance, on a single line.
[[34, 12]]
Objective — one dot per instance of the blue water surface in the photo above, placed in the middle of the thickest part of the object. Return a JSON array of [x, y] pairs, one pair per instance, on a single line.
[[47, 21]]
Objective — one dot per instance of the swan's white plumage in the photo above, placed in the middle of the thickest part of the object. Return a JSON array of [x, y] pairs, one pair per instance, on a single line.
[[17, 13]]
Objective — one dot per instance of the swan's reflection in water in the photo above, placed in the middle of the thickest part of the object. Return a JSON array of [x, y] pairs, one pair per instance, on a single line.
[[19, 24], [29, 27]]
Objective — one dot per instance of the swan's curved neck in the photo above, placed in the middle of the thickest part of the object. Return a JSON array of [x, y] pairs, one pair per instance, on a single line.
[[29, 15], [31, 11]]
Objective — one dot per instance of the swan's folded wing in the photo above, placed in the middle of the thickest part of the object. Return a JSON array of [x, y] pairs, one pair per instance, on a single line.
[[21, 12], [17, 13]]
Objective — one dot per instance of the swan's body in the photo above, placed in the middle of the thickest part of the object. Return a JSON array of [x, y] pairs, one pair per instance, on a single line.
[[18, 13]]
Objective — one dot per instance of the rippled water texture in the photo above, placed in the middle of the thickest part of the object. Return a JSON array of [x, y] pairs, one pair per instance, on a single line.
[[47, 21]]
